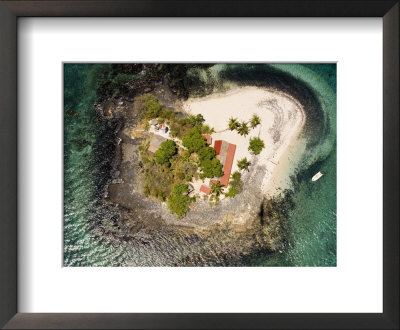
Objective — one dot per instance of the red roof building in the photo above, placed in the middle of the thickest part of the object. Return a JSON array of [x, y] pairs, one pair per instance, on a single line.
[[208, 138], [228, 164], [205, 189], [225, 152], [217, 147]]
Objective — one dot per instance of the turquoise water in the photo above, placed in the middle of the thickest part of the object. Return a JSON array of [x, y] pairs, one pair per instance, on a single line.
[[313, 220], [84, 170], [88, 146]]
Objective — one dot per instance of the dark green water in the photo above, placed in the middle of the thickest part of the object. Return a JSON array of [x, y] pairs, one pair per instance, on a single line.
[[88, 146], [313, 220]]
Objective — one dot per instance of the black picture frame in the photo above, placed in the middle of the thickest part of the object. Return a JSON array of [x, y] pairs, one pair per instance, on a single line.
[[388, 10]]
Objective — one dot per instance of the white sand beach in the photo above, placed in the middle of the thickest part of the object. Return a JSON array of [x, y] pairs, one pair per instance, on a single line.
[[282, 119]]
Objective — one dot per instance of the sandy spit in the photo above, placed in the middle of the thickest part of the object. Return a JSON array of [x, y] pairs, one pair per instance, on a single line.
[[282, 120]]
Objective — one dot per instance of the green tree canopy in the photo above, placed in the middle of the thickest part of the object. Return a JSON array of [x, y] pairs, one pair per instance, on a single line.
[[255, 120], [165, 152], [179, 201], [236, 176], [243, 129], [193, 140], [196, 121], [256, 145], [206, 129], [148, 106], [216, 191], [211, 168], [216, 188], [175, 129], [235, 185], [206, 153], [233, 123], [243, 164]]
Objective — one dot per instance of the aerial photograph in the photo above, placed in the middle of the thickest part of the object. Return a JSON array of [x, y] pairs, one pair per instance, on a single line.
[[199, 164]]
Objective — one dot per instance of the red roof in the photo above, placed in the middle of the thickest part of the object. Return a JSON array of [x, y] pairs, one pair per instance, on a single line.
[[217, 147], [205, 189], [228, 164], [208, 138]]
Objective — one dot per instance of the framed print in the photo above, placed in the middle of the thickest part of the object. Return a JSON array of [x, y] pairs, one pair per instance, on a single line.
[[173, 153]]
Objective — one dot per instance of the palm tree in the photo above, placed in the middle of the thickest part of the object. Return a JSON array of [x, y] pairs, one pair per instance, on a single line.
[[216, 188], [243, 129], [216, 191], [233, 123], [254, 121], [243, 164]]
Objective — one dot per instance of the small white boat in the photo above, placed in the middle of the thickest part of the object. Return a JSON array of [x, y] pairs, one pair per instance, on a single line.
[[316, 176]]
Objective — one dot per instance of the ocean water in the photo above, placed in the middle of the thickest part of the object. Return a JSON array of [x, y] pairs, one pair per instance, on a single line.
[[86, 169], [312, 235], [89, 146]]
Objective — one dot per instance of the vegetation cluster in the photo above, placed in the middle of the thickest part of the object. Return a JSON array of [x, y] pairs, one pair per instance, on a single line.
[[196, 143], [235, 185], [173, 167], [256, 144]]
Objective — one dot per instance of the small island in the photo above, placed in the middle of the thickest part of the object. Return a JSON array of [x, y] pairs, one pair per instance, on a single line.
[[197, 164], [199, 160]]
